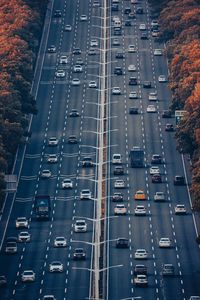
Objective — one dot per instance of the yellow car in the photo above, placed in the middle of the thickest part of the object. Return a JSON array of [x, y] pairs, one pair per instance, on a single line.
[[140, 195]]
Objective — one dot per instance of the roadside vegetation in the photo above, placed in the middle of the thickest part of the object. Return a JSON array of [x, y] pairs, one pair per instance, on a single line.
[[20, 28], [180, 30]]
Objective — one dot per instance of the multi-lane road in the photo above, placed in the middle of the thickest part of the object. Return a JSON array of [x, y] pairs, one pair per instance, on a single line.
[[56, 97]]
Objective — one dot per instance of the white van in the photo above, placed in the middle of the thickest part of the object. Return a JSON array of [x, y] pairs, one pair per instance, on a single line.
[[117, 158]]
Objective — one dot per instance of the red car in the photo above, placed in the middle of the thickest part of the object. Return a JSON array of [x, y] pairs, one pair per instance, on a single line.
[[118, 170], [117, 197], [156, 178]]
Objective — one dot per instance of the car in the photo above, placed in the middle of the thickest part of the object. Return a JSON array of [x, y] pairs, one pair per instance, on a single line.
[[115, 42], [180, 209], [141, 280], [132, 81], [120, 209], [119, 184], [154, 23], [57, 13], [156, 159], [157, 52], [96, 3], [131, 15], [162, 78], [53, 141], [48, 297], [153, 96], [74, 113], [11, 246], [118, 71], [164, 243], [79, 61], [118, 170], [80, 226], [116, 91], [78, 68], [63, 59], [119, 54], [92, 84], [134, 1], [87, 162], [147, 84], [117, 158], [76, 51], [155, 33], [127, 23], [156, 178], [140, 210], [166, 114], [92, 51], [194, 298], [179, 180], [60, 241], [140, 269], [3, 281], [68, 27], [79, 254], [52, 49], [83, 18], [144, 36], [85, 194], [133, 110], [117, 197], [21, 222], [72, 139], [94, 43], [76, 81], [154, 170], [122, 243], [115, 7], [24, 237], [167, 270], [132, 68], [67, 183], [151, 108], [131, 48], [52, 158], [159, 196], [56, 266], [139, 10], [28, 276], [169, 127], [127, 10], [140, 195], [117, 31], [45, 174], [141, 254], [133, 95], [142, 27]]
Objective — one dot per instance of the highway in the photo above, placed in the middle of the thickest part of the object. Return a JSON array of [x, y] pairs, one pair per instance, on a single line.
[[56, 97]]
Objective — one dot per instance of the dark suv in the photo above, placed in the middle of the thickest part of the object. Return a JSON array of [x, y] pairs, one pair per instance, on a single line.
[[87, 162], [122, 243], [179, 180], [132, 81], [168, 270], [118, 71]]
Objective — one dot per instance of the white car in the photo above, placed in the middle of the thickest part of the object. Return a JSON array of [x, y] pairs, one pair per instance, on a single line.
[[154, 23], [116, 158], [132, 68], [180, 209], [52, 158], [93, 43], [24, 236], [141, 280], [115, 42], [115, 18], [60, 73], [48, 297], [21, 222], [131, 49], [155, 33], [63, 59], [142, 27], [164, 243], [53, 141], [85, 194], [157, 52], [80, 226], [83, 18], [141, 254], [153, 96], [67, 183], [45, 174], [92, 84], [76, 81], [68, 27], [162, 78], [159, 196], [56, 266], [151, 109], [120, 209], [28, 275], [133, 95], [78, 68], [116, 91], [154, 170], [140, 210], [119, 184], [60, 241]]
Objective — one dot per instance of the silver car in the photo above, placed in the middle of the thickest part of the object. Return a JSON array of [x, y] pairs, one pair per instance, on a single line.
[[28, 275], [56, 266]]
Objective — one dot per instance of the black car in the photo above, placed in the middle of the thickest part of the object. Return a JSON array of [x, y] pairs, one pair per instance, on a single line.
[[115, 7], [77, 51], [169, 127], [139, 10], [168, 270], [132, 81], [118, 71], [166, 114], [52, 49], [144, 36], [87, 162], [79, 254], [122, 243], [133, 110], [57, 13], [128, 23], [156, 159], [131, 15], [179, 180], [74, 113], [119, 54], [140, 269], [118, 170], [147, 84], [72, 139], [3, 281], [117, 197], [127, 10], [156, 178]]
